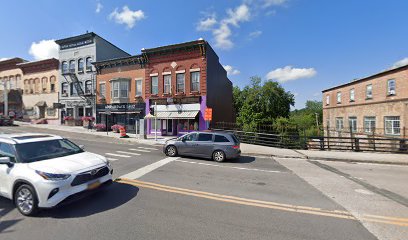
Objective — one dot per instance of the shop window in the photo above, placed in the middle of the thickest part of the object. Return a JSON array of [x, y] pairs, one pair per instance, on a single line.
[[80, 112], [88, 111], [70, 112], [155, 124], [195, 81]]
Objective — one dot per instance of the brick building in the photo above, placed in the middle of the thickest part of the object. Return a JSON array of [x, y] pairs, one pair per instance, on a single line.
[[10, 78], [183, 80], [377, 104], [40, 85], [120, 93]]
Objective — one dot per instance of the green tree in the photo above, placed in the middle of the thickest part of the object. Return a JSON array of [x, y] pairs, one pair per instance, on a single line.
[[260, 103]]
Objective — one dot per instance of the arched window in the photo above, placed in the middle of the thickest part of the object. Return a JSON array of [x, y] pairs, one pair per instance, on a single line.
[[72, 66], [12, 83], [88, 64], [81, 65], [26, 86], [64, 67], [64, 87], [31, 84], [52, 83], [44, 83], [88, 87], [37, 85]]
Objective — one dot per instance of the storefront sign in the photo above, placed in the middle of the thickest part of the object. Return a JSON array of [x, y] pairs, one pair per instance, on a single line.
[[208, 114], [120, 107], [175, 100], [77, 44]]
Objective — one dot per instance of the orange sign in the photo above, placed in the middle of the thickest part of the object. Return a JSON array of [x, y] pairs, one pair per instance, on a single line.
[[208, 114]]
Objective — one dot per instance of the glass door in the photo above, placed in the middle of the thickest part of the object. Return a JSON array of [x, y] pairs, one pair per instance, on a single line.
[[169, 126]]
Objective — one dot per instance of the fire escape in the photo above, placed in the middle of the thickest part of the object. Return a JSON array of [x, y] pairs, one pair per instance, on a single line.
[[88, 96]]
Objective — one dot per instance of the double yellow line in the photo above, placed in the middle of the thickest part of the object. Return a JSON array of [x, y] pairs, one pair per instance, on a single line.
[[265, 204]]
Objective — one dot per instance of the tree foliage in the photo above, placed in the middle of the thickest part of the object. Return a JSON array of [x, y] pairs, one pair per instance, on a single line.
[[261, 103]]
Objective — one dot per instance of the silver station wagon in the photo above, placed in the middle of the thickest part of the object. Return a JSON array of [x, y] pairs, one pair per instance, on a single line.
[[216, 145]]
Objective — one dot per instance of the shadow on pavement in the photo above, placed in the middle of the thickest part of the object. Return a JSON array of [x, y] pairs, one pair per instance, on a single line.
[[242, 159], [112, 197], [6, 206]]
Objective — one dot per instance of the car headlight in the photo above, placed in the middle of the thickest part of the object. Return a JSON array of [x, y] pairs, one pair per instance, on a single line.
[[53, 176]]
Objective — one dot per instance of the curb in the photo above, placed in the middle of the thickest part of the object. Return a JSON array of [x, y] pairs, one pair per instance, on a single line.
[[359, 161]]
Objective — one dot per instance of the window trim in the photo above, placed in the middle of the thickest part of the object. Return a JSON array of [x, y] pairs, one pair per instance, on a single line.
[[342, 124], [392, 127], [354, 94], [355, 122], [156, 78], [371, 95], [164, 84], [141, 87], [338, 97], [370, 128], [191, 81], [389, 93], [184, 83]]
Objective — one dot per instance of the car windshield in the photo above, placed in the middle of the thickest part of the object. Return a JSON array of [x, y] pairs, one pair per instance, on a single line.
[[43, 150]]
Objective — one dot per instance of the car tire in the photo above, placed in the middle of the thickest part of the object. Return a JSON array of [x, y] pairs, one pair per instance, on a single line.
[[26, 200], [171, 151], [218, 156]]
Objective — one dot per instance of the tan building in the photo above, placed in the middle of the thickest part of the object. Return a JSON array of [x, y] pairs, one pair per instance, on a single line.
[[10, 76], [376, 104], [40, 84]]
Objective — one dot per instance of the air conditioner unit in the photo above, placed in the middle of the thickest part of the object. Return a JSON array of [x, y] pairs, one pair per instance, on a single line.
[[391, 92]]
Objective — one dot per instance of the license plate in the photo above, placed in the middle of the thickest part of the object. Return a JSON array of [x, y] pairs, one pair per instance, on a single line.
[[93, 185]]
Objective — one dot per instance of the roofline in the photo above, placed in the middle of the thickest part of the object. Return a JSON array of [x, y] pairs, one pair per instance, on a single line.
[[174, 46], [90, 34], [367, 78], [117, 59], [37, 62]]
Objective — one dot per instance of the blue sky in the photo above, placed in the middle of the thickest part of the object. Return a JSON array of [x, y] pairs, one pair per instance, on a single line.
[[307, 45]]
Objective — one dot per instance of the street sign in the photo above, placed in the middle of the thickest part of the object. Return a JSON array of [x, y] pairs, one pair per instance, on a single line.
[[208, 114], [58, 105]]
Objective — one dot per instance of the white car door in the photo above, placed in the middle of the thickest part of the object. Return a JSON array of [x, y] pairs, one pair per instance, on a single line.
[[6, 150]]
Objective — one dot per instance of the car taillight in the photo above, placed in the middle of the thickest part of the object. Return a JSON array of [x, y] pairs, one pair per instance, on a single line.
[[235, 147]]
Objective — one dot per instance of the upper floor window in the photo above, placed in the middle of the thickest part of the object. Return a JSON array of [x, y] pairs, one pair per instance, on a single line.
[[52, 84], [327, 99], [64, 87], [64, 67], [115, 89], [195, 81], [80, 65], [88, 64], [88, 87], [392, 125], [72, 66], [155, 85], [167, 83], [180, 79], [120, 89], [352, 95], [339, 97], [44, 83], [369, 91], [102, 90], [138, 87], [391, 87], [12, 82]]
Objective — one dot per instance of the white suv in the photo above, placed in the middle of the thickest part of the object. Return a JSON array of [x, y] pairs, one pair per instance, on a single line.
[[43, 171]]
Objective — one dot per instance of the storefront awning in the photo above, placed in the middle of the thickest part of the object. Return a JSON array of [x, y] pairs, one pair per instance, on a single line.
[[174, 115], [41, 104], [133, 112]]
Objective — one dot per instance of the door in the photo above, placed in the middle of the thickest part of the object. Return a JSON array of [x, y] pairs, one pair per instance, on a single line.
[[41, 112], [205, 144], [169, 126], [188, 144], [6, 150]]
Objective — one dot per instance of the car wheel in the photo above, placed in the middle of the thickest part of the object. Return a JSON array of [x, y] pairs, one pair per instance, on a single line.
[[171, 151], [25, 200], [218, 156]]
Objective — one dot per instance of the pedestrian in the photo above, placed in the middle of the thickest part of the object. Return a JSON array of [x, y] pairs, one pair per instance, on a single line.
[[90, 125]]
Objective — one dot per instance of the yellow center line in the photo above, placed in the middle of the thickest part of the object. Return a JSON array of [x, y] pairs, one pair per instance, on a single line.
[[265, 204]]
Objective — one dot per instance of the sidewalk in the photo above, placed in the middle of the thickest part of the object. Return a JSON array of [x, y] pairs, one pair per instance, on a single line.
[[365, 157]]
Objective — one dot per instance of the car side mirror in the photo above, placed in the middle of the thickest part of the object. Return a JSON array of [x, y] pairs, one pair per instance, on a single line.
[[183, 139], [7, 161], [82, 147]]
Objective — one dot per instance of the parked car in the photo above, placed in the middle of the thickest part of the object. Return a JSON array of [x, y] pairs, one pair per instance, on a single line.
[[6, 121], [43, 171], [215, 145]]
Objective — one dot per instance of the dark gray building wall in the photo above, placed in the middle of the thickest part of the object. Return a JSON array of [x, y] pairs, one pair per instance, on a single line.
[[219, 89], [106, 50]]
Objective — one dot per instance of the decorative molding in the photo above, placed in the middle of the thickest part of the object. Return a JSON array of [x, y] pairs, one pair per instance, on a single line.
[[194, 69], [154, 74], [166, 73], [181, 71]]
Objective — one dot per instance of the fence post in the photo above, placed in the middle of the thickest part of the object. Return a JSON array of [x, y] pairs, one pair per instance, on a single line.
[[374, 138], [351, 137], [357, 145], [328, 138]]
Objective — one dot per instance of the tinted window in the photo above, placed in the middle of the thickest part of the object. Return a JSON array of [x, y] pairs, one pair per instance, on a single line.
[[236, 141], [191, 137], [7, 150], [204, 137], [219, 138]]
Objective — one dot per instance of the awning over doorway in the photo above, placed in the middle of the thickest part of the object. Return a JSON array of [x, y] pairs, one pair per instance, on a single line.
[[174, 115], [41, 104]]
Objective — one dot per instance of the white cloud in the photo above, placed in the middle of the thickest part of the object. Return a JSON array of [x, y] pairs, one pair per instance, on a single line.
[[127, 16], [269, 3], [401, 63], [231, 70], [289, 73], [206, 24], [255, 34], [99, 7], [222, 37], [44, 49], [240, 14]]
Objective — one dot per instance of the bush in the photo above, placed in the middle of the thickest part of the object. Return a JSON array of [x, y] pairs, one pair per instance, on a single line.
[[100, 127], [67, 118], [116, 127], [86, 118]]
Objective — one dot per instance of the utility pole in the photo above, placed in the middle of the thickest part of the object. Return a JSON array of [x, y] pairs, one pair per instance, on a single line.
[[5, 98], [155, 121]]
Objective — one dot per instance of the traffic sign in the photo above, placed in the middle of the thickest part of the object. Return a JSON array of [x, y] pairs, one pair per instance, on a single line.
[[208, 114]]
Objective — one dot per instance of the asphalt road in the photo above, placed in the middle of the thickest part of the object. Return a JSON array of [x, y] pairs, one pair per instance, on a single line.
[[249, 198]]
